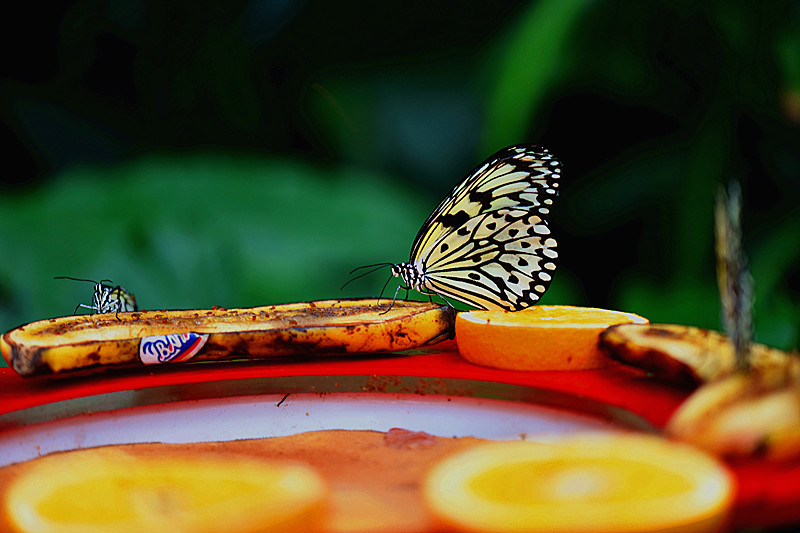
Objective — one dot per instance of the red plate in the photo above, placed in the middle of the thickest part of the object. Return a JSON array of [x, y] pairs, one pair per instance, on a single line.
[[768, 493]]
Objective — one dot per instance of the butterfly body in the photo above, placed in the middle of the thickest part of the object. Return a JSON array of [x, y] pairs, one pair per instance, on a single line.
[[108, 299], [488, 243]]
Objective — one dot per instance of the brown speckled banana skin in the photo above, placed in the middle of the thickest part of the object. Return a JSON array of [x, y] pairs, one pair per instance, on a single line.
[[688, 354], [326, 327]]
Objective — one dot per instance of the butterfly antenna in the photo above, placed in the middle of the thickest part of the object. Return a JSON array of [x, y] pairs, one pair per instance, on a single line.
[[75, 279], [375, 268], [75, 312], [370, 266]]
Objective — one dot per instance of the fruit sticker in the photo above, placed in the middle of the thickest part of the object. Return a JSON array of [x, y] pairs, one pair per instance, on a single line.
[[172, 348]]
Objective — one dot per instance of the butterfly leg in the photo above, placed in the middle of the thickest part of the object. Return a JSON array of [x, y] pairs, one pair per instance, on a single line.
[[75, 312], [118, 306], [447, 301], [394, 299], [431, 294]]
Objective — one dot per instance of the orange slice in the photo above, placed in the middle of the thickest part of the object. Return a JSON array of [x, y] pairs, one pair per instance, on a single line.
[[613, 483], [555, 337], [109, 491]]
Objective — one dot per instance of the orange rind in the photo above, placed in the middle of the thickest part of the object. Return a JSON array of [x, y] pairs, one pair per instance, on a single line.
[[555, 337]]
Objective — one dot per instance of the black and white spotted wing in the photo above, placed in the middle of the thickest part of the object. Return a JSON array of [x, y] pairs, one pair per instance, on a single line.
[[488, 244]]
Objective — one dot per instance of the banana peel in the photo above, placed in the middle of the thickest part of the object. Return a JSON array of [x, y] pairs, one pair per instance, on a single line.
[[746, 414], [686, 354], [327, 327]]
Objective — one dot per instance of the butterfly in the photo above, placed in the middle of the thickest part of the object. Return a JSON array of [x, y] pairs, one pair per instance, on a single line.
[[488, 243], [107, 298]]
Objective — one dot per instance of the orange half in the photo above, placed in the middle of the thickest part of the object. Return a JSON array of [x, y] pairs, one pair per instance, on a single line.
[[109, 491], [601, 483], [545, 337]]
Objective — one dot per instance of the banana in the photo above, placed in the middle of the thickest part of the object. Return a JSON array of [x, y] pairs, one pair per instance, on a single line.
[[688, 354], [742, 415], [733, 413], [327, 327]]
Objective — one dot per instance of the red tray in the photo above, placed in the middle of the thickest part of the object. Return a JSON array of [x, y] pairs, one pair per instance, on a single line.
[[768, 493]]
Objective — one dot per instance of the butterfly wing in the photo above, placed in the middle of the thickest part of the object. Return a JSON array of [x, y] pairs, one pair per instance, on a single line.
[[521, 177], [733, 274], [488, 244]]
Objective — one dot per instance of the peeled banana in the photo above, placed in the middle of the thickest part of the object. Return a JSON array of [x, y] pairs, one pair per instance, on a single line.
[[326, 327]]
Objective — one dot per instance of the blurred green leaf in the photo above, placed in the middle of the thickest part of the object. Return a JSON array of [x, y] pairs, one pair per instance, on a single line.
[[775, 259], [413, 121], [528, 65]]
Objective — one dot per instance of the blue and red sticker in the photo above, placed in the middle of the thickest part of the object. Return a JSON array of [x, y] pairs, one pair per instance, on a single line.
[[172, 348]]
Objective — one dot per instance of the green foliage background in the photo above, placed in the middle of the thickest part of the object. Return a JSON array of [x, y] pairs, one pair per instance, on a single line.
[[253, 152]]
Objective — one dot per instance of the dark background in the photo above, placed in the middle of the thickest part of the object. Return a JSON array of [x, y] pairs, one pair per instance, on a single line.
[[245, 153]]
